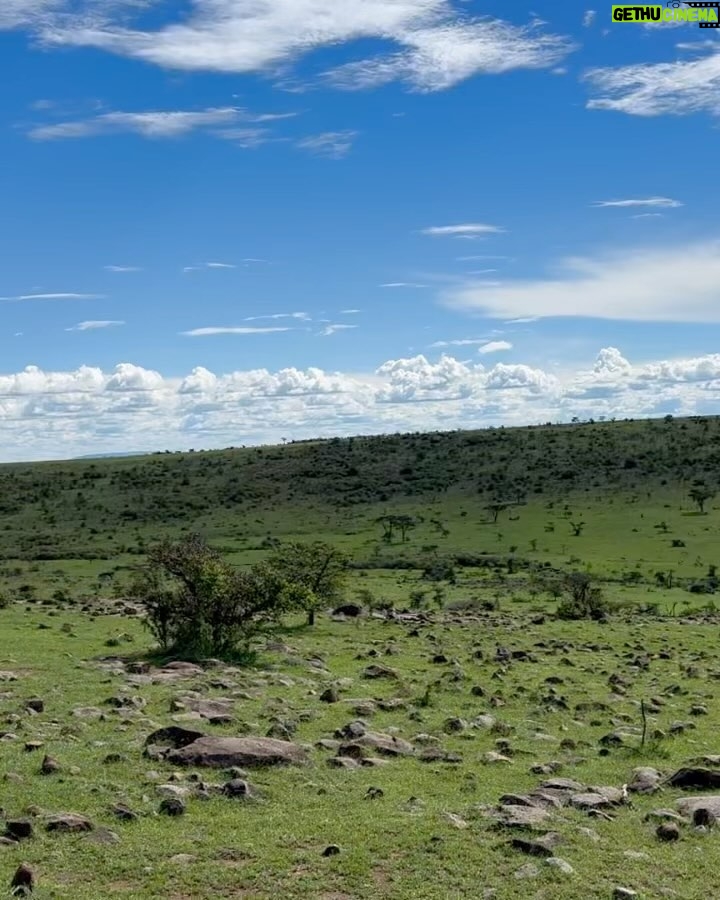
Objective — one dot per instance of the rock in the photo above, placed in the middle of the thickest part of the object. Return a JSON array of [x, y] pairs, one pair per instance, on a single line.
[[32, 746], [378, 671], [644, 781], [668, 831], [49, 766], [541, 846], [374, 793], [689, 778], [637, 855], [456, 821], [492, 757], [343, 762], [23, 881], [173, 737], [703, 818], [68, 823], [238, 788], [454, 725], [484, 721], [124, 813], [332, 850], [529, 870], [19, 829], [182, 859], [560, 864], [172, 806], [688, 806], [350, 610], [330, 695], [87, 712], [698, 710], [223, 752], [528, 817], [372, 743], [35, 704], [622, 893], [103, 836]]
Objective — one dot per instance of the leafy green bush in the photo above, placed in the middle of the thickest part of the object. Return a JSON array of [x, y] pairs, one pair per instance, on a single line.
[[583, 599], [198, 605]]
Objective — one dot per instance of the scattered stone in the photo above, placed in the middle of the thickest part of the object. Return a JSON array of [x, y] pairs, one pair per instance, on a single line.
[[35, 704], [23, 881], [68, 823], [542, 846], [87, 712], [182, 859], [689, 778], [372, 743], [703, 818], [454, 725], [124, 813], [172, 806], [527, 817], [622, 893], [330, 695], [560, 864], [18, 829], [457, 821], [49, 766], [343, 762], [635, 855], [378, 671], [32, 746], [238, 788], [645, 780], [223, 752], [668, 831], [374, 793], [529, 870], [104, 836], [350, 610], [332, 850], [687, 807]]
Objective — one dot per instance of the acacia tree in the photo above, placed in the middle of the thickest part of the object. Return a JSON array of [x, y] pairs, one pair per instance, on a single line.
[[199, 605], [317, 568], [700, 493]]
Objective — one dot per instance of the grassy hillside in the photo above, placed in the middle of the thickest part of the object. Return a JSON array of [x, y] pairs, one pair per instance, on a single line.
[[80, 523]]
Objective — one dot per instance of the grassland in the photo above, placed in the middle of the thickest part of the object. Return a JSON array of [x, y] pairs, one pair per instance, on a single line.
[[71, 532]]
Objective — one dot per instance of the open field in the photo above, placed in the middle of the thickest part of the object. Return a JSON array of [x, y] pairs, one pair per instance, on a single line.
[[492, 693]]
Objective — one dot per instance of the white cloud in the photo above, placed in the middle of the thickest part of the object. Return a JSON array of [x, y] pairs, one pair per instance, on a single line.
[[18, 13], [589, 18], [62, 296], [220, 265], [460, 342], [329, 330], [54, 414], [675, 283], [330, 144], [122, 269], [495, 347], [350, 312], [402, 284], [655, 202], [302, 316], [94, 324], [470, 230], [654, 89], [156, 124], [433, 44], [206, 332]]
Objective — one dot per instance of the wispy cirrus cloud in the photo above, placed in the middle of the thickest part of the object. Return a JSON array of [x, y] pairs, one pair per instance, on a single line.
[[301, 316], [460, 342], [331, 329], [330, 144], [57, 296], [641, 284], [430, 45], [95, 324], [208, 265], [241, 329], [653, 202], [656, 89], [402, 284], [469, 230], [122, 269]]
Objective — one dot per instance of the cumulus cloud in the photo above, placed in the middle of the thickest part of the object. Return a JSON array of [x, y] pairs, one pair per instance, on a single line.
[[676, 284], [428, 44], [50, 414]]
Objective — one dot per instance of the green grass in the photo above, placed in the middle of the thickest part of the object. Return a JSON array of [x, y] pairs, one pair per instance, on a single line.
[[390, 846]]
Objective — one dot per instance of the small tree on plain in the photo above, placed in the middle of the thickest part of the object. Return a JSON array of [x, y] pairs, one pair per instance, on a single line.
[[319, 569], [198, 605], [700, 493]]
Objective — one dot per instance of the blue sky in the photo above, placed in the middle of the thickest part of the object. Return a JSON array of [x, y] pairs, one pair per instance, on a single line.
[[227, 222]]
